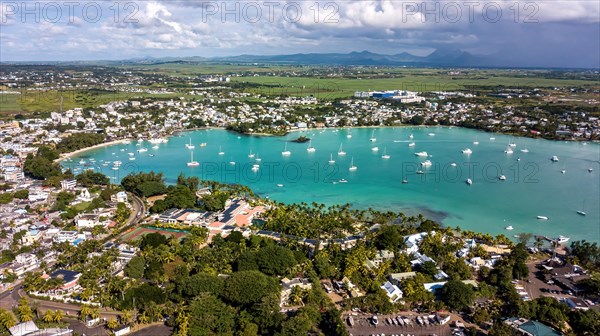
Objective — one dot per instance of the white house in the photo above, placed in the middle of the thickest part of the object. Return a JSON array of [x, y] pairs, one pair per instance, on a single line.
[[392, 291], [87, 220], [124, 330], [68, 184], [121, 196]]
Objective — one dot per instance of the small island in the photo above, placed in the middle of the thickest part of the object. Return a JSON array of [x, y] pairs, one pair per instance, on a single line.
[[301, 139]]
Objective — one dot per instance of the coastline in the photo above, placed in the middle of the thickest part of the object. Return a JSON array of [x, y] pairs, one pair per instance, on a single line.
[[83, 150]]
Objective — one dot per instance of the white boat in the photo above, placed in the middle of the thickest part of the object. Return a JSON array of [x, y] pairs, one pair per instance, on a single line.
[[342, 181], [492, 138], [131, 158], [221, 151], [331, 160], [385, 155], [590, 170], [582, 212], [232, 162], [255, 168], [115, 168], [352, 166], [554, 158], [412, 144], [453, 164], [82, 162], [286, 152], [502, 178], [127, 142], [258, 158], [251, 155], [542, 217], [508, 150], [420, 172], [426, 163], [189, 145], [475, 142], [155, 147], [117, 163], [431, 134], [375, 149], [467, 151], [192, 163], [151, 155], [341, 151], [404, 181], [563, 171], [562, 239], [422, 154], [131, 154], [142, 150], [280, 185], [524, 150], [411, 136], [203, 144], [509, 227], [158, 141], [512, 144], [310, 148], [373, 139], [469, 181], [348, 135], [122, 149]]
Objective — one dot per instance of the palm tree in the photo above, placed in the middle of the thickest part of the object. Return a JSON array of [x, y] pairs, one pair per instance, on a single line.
[[95, 313], [58, 315], [84, 311], [7, 320], [24, 311], [143, 318], [125, 316], [112, 323], [48, 316]]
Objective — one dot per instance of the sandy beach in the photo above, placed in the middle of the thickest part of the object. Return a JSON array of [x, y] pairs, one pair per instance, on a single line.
[[79, 151]]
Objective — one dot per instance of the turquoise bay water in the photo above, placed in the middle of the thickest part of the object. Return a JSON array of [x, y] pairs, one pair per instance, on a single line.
[[534, 184]]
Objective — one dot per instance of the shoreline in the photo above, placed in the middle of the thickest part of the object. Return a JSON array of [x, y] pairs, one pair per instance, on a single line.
[[83, 150]]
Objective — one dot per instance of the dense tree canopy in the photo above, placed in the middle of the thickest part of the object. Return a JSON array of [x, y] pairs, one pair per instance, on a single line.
[[78, 141], [238, 291], [144, 184], [457, 295]]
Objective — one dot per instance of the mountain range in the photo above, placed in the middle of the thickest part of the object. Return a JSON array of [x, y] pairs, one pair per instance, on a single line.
[[446, 58]]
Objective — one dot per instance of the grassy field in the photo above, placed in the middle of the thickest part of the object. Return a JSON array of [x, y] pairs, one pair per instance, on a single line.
[[338, 88], [49, 101]]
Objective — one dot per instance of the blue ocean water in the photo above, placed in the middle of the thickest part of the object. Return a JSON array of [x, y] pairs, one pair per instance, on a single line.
[[534, 185]]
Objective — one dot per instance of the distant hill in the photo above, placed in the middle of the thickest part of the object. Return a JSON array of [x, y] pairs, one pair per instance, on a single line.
[[438, 58]]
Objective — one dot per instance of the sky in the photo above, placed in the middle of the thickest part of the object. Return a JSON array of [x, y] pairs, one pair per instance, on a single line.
[[548, 33]]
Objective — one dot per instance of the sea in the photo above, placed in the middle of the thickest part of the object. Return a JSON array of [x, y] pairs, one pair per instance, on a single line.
[[393, 177]]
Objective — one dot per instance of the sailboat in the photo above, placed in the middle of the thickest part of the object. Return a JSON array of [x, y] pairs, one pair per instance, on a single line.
[[352, 166], [348, 135], [258, 159], [251, 155], [341, 151], [331, 160], [192, 163], [221, 151], [582, 212], [373, 139], [385, 155], [411, 136], [375, 149], [286, 152], [189, 145], [310, 148], [231, 162]]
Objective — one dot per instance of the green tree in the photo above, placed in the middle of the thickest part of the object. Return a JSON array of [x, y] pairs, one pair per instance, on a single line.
[[248, 287], [24, 310], [135, 267], [7, 319], [457, 295], [48, 316], [21, 194], [209, 315], [112, 323]]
